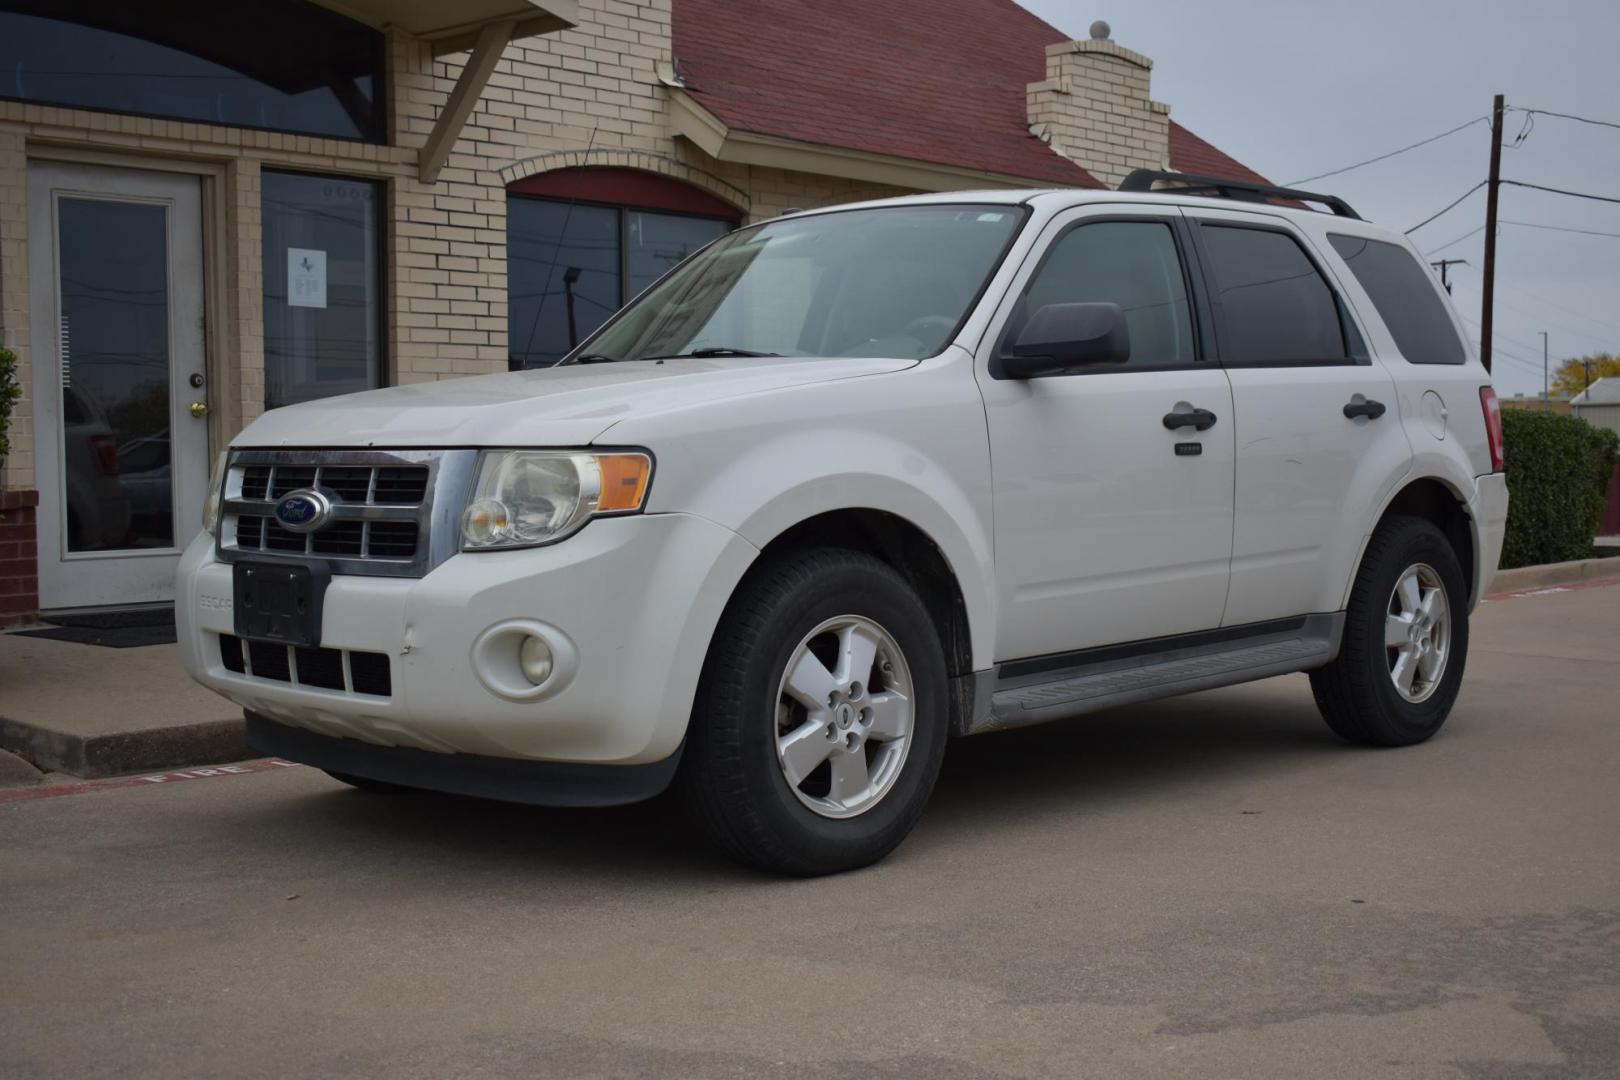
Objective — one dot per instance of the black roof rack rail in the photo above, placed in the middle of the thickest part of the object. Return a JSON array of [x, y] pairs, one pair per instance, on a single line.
[[1220, 188]]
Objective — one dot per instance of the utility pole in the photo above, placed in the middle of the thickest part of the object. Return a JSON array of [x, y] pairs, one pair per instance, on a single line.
[[1546, 384], [1441, 266], [1492, 184]]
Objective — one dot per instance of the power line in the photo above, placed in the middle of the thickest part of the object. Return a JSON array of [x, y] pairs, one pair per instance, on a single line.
[[1555, 191], [1449, 207], [1393, 153], [1569, 310], [1453, 243], [1559, 228], [1571, 116]]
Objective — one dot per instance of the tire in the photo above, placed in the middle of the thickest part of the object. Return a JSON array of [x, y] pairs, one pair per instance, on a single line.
[[365, 783], [1357, 693], [825, 604]]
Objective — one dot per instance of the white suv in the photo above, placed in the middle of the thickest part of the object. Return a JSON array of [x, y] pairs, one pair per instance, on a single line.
[[849, 483]]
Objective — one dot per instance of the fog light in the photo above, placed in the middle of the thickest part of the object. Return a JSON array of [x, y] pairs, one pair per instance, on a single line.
[[534, 657]]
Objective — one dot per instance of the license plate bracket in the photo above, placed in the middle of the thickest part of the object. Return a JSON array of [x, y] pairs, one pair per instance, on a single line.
[[280, 602]]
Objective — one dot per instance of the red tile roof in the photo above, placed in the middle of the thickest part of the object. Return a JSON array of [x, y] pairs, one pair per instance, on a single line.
[[940, 81]]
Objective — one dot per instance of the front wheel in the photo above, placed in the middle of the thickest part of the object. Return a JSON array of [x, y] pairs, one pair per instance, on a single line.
[[819, 726], [1405, 640]]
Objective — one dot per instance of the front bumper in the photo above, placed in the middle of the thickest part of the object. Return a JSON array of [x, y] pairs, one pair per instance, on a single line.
[[540, 783], [632, 600], [1487, 512]]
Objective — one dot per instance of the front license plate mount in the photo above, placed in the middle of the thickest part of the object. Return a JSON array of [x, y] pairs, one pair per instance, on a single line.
[[280, 602]]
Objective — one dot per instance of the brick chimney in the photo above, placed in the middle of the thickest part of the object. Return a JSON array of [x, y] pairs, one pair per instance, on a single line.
[[1093, 108]]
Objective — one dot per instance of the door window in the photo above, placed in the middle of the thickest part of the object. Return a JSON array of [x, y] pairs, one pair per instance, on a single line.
[[1405, 297], [322, 316], [1275, 307], [115, 373], [1134, 264]]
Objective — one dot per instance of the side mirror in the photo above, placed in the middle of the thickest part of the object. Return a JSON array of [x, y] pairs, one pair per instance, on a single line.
[[1061, 337]]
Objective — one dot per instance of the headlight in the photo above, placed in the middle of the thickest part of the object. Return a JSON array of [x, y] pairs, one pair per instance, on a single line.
[[216, 493], [529, 497]]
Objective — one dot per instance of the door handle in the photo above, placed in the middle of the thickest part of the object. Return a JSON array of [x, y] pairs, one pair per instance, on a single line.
[[1372, 410], [1202, 419], [199, 409]]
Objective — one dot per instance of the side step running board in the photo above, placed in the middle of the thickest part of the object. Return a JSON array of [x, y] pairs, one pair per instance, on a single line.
[[1178, 667]]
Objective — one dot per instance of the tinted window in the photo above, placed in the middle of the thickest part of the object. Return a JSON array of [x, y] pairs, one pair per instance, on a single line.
[[1405, 298], [571, 265], [1130, 263], [1274, 305], [285, 65], [322, 315]]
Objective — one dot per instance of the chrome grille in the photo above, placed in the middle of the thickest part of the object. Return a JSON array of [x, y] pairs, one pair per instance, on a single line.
[[384, 504]]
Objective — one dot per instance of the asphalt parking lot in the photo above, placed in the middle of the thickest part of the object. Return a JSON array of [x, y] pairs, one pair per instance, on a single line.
[[1209, 886]]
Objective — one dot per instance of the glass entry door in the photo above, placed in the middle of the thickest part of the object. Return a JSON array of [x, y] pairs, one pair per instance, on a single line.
[[115, 273]]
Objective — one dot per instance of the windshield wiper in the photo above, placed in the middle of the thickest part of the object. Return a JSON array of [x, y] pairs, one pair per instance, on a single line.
[[710, 351], [593, 358]]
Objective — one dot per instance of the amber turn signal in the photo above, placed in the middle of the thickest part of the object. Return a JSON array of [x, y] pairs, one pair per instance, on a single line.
[[624, 481]]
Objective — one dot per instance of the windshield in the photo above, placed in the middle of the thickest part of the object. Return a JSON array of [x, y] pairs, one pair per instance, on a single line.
[[892, 281]]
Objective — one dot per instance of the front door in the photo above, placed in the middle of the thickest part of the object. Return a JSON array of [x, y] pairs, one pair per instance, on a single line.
[[1112, 524], [115, 270]]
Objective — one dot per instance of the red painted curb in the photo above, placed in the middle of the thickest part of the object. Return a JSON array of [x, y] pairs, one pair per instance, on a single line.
[[1543, 590], [85, 787]]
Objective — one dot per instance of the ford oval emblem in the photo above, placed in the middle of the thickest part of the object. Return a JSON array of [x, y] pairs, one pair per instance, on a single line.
[[304, 510]]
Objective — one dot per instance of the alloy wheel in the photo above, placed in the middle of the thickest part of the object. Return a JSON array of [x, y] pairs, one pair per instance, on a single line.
[[844, 717]]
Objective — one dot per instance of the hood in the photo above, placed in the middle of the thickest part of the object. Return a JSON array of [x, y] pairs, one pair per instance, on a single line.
[[566, 406]]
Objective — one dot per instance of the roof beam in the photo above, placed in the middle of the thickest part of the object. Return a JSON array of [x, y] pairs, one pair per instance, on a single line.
[[486, 53], [711, 135]]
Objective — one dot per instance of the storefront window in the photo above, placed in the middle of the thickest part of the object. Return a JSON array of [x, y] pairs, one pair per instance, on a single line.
[[322, 307], [572, 262], [283, 65]]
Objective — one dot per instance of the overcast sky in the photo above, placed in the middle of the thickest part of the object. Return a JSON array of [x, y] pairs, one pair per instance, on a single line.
[[1298, 87]]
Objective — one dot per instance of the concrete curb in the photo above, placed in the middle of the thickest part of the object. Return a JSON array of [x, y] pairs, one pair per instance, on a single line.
[[1563, 573], [15, 772], [92, 757]]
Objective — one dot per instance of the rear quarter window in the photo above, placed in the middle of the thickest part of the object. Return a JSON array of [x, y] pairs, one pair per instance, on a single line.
[[1404, 295]]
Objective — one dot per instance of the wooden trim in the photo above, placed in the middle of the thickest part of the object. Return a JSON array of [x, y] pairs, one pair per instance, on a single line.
[[492, 41], [711, 135]]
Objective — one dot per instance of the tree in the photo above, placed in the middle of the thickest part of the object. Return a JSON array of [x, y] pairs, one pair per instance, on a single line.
[[1570, 377]]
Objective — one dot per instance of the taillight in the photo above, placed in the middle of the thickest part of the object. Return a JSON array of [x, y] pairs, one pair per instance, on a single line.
[[1493, 425], [106, 448]]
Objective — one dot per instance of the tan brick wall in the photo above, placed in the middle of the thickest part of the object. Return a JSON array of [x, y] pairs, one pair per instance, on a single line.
[[1094, 108], [19, 465], [590, 95]]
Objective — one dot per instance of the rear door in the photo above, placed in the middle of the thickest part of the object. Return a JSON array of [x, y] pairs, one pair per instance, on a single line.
[[1319, 438]]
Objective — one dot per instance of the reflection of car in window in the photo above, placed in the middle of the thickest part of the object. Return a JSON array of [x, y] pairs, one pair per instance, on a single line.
[[143, 468], [97, 505]]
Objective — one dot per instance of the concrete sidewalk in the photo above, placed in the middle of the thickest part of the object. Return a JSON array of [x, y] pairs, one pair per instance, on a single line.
[[93, 711]]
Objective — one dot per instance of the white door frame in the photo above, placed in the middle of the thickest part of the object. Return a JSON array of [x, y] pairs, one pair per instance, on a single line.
[[116, 575]]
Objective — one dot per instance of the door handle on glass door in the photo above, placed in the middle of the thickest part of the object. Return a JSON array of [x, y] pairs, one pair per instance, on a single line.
[[1202, 419], [1360, 406], [199, 409]]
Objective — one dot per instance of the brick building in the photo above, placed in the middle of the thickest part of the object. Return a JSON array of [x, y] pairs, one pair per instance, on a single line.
[[209, 210]]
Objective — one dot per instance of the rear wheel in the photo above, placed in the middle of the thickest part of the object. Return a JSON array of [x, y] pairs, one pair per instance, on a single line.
[[1405, 640], [819, 726]]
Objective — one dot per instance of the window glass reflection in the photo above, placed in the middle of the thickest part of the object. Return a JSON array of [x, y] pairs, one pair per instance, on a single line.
[[114, 344], [322, 317], [284, 65]]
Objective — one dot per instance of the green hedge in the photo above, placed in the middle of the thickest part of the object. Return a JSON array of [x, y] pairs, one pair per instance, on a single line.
[[9, 393], [1558, 470]]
